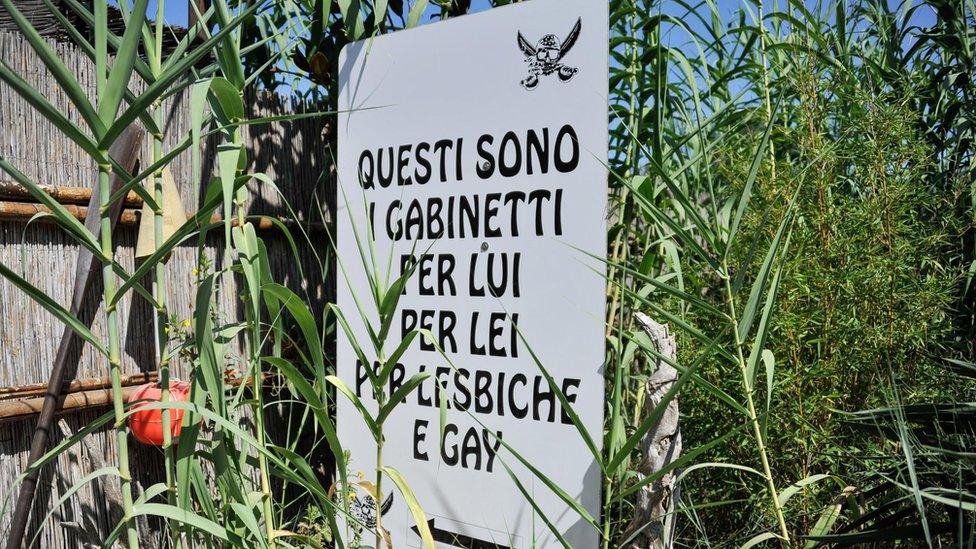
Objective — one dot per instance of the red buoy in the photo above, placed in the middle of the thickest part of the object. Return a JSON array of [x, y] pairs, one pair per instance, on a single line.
[[147, 425]]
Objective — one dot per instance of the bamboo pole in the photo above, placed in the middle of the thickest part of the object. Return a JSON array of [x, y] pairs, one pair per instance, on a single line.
[[72, 402], [40, 389], [24, 211], [12, 190], [20, 403]]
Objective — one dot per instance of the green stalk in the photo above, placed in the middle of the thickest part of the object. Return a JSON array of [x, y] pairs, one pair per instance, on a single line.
[[379, 488], [620, 248], [253, 319], [258, 386], [753, 415], [380, 402], [109, 288], [767, 101], [115, 353], [747, 383], [257, 377], [161, 305], [162, 335]]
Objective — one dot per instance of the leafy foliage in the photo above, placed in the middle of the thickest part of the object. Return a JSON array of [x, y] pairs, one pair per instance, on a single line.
[[869, 153]]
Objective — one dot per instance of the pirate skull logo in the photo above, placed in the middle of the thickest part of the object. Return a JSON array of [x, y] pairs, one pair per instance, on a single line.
[[546, 56], [364, 510]]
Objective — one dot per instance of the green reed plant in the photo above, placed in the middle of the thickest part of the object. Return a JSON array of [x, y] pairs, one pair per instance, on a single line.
[[103, 125], [706, 233], [152, 37], [746, 316], [701, 99], [384, 299]]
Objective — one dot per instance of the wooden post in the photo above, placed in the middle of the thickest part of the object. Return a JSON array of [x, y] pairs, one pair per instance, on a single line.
[[653, 522], [201, 6]]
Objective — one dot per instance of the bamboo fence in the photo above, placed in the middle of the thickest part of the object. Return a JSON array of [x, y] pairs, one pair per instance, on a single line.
[[291, 153]]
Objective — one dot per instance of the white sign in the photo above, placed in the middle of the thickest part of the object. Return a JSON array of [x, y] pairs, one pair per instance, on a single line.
[[480, 145]]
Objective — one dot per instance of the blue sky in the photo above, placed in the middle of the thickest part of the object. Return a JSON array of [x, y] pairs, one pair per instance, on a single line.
[[175, 11]]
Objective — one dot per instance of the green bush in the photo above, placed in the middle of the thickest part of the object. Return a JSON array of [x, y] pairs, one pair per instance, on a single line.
[[867, 292]]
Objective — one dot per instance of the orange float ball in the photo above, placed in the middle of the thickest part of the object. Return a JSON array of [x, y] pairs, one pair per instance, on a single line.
[[147, 425]]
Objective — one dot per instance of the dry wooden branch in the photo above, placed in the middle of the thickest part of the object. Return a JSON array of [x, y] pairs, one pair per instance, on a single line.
[[653, 523]]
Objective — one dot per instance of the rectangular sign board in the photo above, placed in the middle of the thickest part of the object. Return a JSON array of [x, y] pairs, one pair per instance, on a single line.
[[478, 146]]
